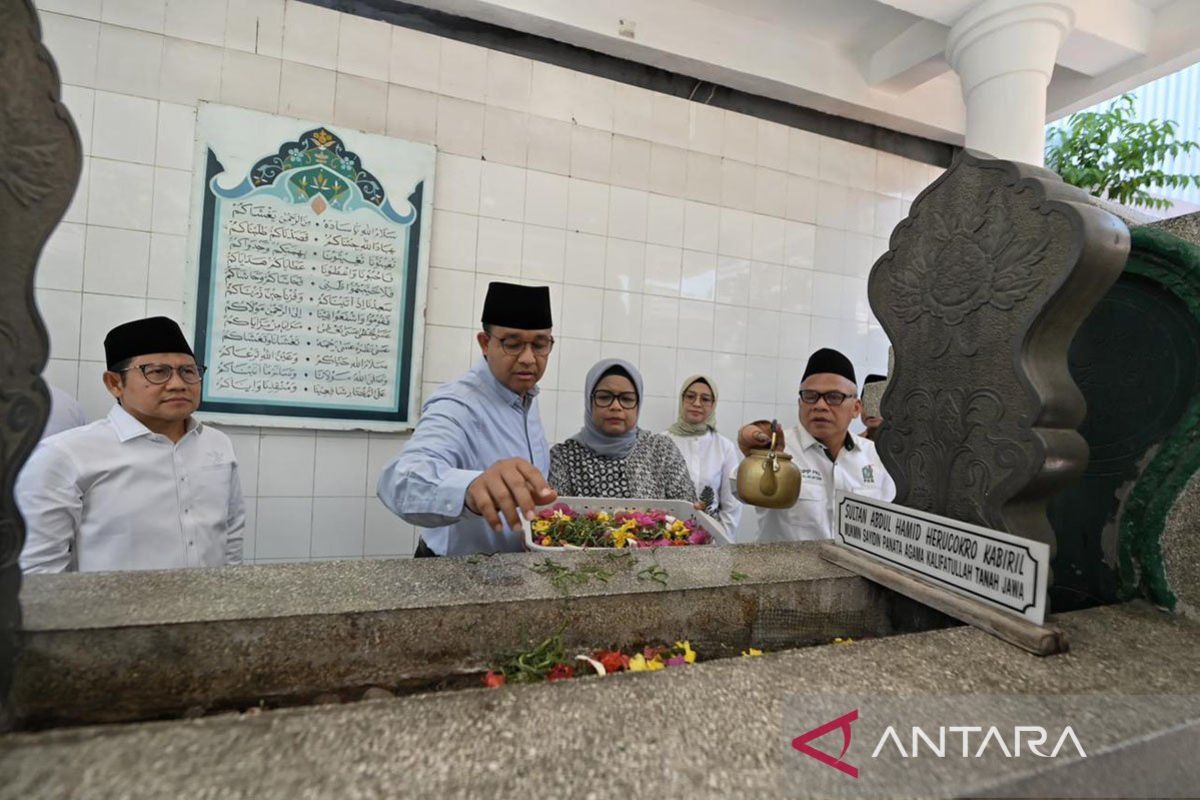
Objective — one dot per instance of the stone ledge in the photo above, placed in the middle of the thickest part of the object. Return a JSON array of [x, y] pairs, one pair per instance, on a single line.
[[711, 730]]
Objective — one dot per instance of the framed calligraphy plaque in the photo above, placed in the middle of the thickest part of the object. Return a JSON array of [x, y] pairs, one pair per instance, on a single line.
[[310, 248]]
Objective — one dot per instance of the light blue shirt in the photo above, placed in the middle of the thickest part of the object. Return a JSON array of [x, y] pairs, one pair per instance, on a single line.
[[466, 426]]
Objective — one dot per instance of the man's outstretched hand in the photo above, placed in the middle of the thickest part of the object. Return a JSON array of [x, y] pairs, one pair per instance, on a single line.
[[757, 436], [505, 487]]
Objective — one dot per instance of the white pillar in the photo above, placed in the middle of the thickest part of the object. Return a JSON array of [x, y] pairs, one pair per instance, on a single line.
[[1004, 53]]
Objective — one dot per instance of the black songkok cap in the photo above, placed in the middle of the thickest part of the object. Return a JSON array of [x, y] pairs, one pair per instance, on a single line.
[[874, 379], [142, 336], [828, 360], [525, 308]]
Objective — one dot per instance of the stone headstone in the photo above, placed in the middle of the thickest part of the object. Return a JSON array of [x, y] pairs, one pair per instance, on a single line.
[[39, 167], [982, 289]]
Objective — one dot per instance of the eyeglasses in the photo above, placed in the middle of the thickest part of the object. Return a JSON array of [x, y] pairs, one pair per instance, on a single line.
[[603, 399], [832, 399], [158, 374], [514, 347], [702, 399]]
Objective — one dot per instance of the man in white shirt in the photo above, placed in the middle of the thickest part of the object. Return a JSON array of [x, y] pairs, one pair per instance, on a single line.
[[829, 457], [148, 487]]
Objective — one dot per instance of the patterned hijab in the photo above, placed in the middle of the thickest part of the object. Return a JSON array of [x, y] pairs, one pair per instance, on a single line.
[[590, 434], [684, 428]]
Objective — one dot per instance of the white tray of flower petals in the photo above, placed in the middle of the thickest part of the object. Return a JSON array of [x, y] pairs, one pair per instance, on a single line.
[[597, 523]]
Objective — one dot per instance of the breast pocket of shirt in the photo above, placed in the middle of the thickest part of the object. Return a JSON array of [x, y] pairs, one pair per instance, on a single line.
[[811, 491], [212, 489]]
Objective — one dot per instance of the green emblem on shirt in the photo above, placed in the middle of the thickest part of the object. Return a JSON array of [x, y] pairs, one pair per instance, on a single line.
[[868, 474]]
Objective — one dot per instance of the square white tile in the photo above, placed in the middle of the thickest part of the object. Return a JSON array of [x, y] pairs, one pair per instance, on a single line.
[[360, 103], [706, 128], [701, 225], [832, 205], [729, 329], [283, 528], [505, 136], [128, 61], [740, 139], [502, 192], [458, 182], [665, 220], [696, 325], [60, 265], [703, 182], [454, 241], [255, 26], [630, 162], [729, 371], [587, 206], [798, 243], [509, 79], [386, 534], [663, 270], [74, 43], [176, 138], [627, 213], [460, 127], [549, 145], [622, 319], [171, 204], [463, 71], [625, 265], [801, 199], [670, 118], [668, 170], [769, 235], [770, 192], [657, 365], [591, 154], [337, 526], [829, 251], [592, 103], [61, 314], [733, 280], [341, 466], [766, 286], [382, 449], [414, 59], [762, 334], [447, 353], [191, 72], [364, 47], [146, 15], [632, 112], [772, 145], [576, 357], [198, 20], [582, 312], [306, 91], [698, 279], [735, 233], [737, 185], [285, 465], [499, 249], [585, 259], [251, 81], [543, 253], [412, 114], [797, 291], [760, 379], [115, 261], [803, 153], [164, 280], [310, 35], [444, 299], [126, 126], [546, 199], [660, 321], [552, 90]]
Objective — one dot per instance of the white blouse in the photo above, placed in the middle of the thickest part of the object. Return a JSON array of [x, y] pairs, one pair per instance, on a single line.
[[712, 460]]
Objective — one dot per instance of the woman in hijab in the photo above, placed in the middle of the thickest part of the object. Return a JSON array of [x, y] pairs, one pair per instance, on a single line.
[[712, 459], [611, 456]]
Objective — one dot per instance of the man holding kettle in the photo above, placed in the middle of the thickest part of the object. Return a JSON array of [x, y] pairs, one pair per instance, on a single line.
[[821, 446]]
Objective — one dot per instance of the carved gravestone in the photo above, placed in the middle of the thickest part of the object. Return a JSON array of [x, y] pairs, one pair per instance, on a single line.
[[39, 166], [981, 291]]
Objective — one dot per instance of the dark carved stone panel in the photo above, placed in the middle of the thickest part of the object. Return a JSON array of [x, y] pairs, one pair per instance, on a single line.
[[40, 160], [981, 291]]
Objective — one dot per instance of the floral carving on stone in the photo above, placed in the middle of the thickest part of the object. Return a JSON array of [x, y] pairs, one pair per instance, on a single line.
[[980, 293]]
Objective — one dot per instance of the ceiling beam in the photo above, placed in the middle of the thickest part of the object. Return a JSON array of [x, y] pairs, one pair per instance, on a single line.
[[915, 56]]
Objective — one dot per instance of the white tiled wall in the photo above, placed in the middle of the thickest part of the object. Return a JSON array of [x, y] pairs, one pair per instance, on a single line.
[[682, 237]]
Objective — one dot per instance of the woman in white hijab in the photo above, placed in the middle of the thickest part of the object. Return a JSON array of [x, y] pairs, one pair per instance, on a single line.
[[611, 456], [712, 459]]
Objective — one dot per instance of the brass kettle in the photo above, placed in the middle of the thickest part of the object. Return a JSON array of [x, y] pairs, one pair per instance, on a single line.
[[768, 478]]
